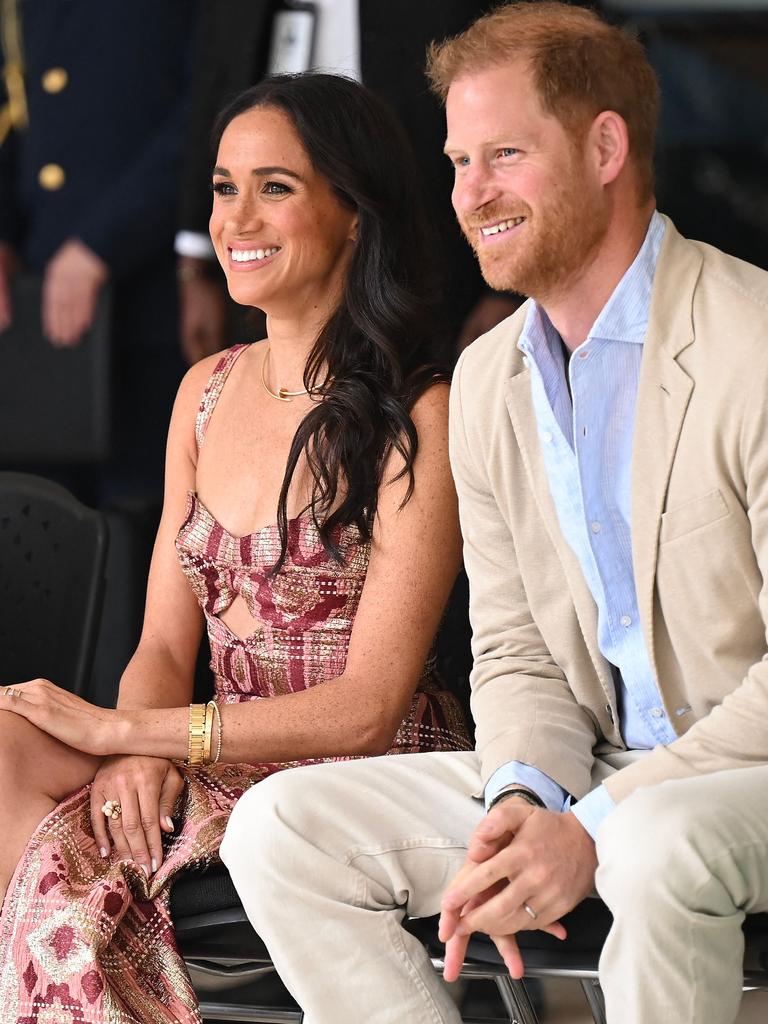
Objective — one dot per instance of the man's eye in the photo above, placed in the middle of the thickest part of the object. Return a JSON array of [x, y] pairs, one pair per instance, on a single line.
[[223, 188], [461, 161], [507, 151]]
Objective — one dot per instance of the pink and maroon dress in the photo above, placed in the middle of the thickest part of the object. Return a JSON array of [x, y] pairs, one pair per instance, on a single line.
[[91, 941]]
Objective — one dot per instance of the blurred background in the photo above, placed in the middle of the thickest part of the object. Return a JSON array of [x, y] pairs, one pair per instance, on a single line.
[[108, 287]]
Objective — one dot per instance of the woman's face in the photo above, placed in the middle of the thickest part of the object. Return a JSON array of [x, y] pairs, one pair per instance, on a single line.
[[279, 231]]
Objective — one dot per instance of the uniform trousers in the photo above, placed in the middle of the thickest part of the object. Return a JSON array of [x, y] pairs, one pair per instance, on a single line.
[[328, 859]]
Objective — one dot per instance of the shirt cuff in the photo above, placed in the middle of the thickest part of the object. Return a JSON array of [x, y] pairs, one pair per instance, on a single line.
[[516, 773], [191, 243], [593, 808]]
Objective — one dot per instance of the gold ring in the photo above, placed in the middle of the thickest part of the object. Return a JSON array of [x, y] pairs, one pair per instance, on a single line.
[[530, 912], [112, 809]]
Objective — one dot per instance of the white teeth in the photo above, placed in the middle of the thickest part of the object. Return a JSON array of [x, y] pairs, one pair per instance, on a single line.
[[503, 225], [249, 255]]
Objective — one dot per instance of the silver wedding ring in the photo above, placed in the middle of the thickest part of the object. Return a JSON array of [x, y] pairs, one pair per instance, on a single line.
[[10, 692], [530, 912]]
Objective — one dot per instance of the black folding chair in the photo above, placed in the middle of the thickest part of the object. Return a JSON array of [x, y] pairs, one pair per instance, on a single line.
[[52, 555], [222, 949]]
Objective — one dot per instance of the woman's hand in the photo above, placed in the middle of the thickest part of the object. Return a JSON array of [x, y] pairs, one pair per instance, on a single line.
[[61, 714], [146, 788]]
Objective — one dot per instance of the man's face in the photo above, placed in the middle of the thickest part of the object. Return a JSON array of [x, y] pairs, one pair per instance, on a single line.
[[525, 195]]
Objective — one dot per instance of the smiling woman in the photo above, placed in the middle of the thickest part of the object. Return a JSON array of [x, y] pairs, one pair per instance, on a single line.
[[309, 522]]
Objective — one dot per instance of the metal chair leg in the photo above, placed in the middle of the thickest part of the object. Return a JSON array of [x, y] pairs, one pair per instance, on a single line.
[[516, 1001], [594, 997]]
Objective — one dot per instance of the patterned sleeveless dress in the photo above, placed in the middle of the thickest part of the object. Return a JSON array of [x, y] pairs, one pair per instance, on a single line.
[[89, 941]]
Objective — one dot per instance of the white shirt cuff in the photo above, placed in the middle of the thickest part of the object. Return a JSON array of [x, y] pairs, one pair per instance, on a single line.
[[515, 772], [194, 244], [593, 808]]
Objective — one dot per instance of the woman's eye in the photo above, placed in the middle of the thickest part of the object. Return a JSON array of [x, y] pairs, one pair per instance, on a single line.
[[223, 188], [276, 188]]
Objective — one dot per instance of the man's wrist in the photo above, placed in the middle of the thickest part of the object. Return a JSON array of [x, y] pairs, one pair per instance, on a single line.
[[519, 791]]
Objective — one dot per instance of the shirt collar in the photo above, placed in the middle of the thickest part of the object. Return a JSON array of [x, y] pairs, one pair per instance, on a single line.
[[624, 317]]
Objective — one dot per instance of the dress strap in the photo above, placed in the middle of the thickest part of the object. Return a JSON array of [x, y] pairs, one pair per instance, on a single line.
[[214, 388]]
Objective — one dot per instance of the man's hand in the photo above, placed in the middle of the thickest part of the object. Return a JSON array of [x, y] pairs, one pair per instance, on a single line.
[[518, 855], [203, 309], [70, 287], [9, 264]]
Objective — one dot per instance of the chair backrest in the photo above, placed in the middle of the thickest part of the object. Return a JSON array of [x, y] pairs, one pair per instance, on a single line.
[[52, 555]]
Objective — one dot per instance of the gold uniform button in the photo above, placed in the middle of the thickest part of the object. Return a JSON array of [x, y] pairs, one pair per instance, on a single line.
[[51, 177], [55, 80]]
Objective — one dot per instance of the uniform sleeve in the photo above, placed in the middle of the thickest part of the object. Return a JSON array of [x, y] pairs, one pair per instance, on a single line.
[[131, 221], [10, 212]]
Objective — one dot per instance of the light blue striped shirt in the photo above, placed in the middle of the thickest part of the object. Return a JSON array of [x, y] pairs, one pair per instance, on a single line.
[[586, 442]]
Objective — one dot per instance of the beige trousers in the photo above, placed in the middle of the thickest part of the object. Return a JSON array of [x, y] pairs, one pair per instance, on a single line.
[[328, 859]]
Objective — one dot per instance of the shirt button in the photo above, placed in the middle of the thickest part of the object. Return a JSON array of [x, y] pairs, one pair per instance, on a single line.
[[657, 712], [51, 177], [595, 527], [525, 360], [55, 80], [547, 437], [625, 620]]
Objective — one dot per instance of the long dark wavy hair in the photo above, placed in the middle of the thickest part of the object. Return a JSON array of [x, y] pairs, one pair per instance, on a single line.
[[373, 357]]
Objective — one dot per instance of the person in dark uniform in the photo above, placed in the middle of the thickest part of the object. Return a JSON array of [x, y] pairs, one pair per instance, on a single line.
[[234, 51], [90, 137]]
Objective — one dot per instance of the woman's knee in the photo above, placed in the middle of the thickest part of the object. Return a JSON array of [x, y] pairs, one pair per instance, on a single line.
[[19, 746]]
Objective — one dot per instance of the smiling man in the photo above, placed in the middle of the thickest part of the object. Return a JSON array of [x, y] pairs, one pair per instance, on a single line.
[[610, 449]]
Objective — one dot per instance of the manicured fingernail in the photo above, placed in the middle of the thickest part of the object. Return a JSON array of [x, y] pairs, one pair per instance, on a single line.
[[169, 823], [154, 865], [104, 851]]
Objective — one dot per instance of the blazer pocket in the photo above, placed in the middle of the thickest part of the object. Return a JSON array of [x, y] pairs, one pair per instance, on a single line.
[[692, 515]]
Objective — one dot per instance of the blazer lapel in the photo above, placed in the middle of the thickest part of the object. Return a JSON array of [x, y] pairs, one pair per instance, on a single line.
[[521, 412], [663, 395]]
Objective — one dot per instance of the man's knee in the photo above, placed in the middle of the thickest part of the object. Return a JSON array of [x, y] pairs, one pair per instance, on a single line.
[[256, 830], [655, 845]]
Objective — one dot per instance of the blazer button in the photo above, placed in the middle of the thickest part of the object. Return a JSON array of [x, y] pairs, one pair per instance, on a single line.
[[55, 80], [51, 177]]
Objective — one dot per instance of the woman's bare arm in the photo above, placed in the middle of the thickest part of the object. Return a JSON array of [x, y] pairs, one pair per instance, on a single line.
[[414, 560]]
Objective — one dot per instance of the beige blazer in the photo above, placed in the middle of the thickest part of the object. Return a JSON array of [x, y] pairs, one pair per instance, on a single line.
[[541, 691]]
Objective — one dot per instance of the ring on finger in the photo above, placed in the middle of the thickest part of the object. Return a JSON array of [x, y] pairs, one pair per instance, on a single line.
[[112, 809], [11, 692], [530, 912]]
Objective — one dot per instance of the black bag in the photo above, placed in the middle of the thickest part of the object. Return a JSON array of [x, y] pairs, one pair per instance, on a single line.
[[54, 402]]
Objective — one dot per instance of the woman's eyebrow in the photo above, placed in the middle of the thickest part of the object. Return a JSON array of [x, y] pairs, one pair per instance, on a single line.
[[260, 172]]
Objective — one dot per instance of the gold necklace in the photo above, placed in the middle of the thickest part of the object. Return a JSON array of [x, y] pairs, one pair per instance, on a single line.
[[281, 394]]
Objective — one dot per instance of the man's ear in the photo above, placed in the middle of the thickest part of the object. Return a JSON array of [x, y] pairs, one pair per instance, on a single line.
[[608, 144]]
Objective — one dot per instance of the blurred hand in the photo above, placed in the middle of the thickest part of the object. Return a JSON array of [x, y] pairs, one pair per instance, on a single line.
[[146, 789], [488, 311], [9, 264], [203, 309], [70, 287]]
